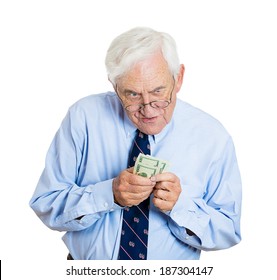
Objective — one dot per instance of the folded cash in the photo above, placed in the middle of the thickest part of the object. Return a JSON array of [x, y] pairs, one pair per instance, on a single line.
[[148, 166]]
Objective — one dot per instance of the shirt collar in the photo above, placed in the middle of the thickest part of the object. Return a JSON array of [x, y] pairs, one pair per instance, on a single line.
[[129, 127]]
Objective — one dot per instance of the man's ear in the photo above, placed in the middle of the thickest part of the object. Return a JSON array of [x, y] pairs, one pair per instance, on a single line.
[[180, 77]]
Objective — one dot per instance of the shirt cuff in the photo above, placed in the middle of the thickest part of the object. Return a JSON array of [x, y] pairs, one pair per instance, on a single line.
[[186, 215], [96, 201]]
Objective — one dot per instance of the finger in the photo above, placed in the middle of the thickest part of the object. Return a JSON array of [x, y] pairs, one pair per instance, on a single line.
[[132, 196], [167, 191], [167, 186], [135, 198], [130, 170], [163, 186], [167, 176], [162, 194], [162, 205], [135, 179], [138, 189]]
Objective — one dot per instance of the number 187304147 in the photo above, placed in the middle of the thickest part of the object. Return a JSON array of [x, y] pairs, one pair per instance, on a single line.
[[185, 270]]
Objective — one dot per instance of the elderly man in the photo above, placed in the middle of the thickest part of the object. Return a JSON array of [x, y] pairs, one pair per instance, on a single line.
[[89, 189]]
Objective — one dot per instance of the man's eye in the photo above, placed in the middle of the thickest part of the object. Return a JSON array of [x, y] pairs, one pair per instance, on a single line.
[[132, 94], [159, 92]]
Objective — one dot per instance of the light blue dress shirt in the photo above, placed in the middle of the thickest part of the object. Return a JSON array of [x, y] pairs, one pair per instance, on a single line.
[[91, 148]]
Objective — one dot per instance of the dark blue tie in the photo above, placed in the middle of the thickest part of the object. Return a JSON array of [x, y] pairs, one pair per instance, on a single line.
[[134, 234]]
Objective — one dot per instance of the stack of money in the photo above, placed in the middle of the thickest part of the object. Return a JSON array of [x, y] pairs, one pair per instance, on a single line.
[[148, 166]]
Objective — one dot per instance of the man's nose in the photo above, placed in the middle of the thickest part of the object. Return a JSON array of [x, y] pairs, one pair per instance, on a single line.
[[147, 109], [145, 98]]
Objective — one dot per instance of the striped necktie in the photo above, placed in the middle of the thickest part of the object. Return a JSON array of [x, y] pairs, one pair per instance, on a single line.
[[134, 234]]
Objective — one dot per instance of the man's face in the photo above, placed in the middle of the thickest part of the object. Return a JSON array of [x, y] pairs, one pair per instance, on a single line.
[[148, 81]]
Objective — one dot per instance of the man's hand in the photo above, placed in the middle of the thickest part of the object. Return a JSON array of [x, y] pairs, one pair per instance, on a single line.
[[130, 189], [166, 191]]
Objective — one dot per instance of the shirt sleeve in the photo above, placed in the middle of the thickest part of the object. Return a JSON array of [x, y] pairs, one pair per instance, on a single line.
[[58, 200], [214, 218]]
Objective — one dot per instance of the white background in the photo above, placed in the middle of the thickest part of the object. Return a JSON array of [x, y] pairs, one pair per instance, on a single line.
[[52, 54]]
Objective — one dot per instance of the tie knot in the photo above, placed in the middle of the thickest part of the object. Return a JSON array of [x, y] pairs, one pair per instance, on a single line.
[[141, 134]]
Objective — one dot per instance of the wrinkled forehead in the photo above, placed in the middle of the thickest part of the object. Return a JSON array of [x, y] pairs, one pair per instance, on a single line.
[[153, 70]]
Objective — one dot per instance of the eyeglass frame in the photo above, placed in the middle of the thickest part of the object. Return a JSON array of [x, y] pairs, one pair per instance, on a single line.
[[142, 105]]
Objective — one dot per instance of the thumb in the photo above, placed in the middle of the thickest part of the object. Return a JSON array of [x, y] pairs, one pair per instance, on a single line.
[[130, 169]]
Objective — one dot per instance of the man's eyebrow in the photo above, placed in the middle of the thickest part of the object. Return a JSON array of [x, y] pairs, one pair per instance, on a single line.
[[157, 88], [126, 91]]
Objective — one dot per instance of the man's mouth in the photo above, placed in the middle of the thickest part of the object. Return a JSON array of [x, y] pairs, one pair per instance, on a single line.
[[149, 120]]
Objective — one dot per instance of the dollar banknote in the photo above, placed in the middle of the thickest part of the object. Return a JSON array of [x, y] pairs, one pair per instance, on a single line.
[[148, 166]]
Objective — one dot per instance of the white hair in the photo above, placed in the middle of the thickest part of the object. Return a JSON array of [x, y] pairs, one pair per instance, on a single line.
[[136, 45]]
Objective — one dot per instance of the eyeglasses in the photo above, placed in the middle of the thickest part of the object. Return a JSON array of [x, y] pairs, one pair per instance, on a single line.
[[156, 104]]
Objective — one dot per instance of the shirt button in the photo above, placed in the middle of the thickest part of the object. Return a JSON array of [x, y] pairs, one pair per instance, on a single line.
[[106, 205]]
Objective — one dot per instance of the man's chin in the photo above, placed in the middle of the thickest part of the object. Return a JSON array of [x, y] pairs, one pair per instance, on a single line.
[[150, 128]]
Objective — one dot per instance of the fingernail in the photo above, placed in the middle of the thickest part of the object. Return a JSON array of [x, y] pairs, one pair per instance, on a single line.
[[153, 178]]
